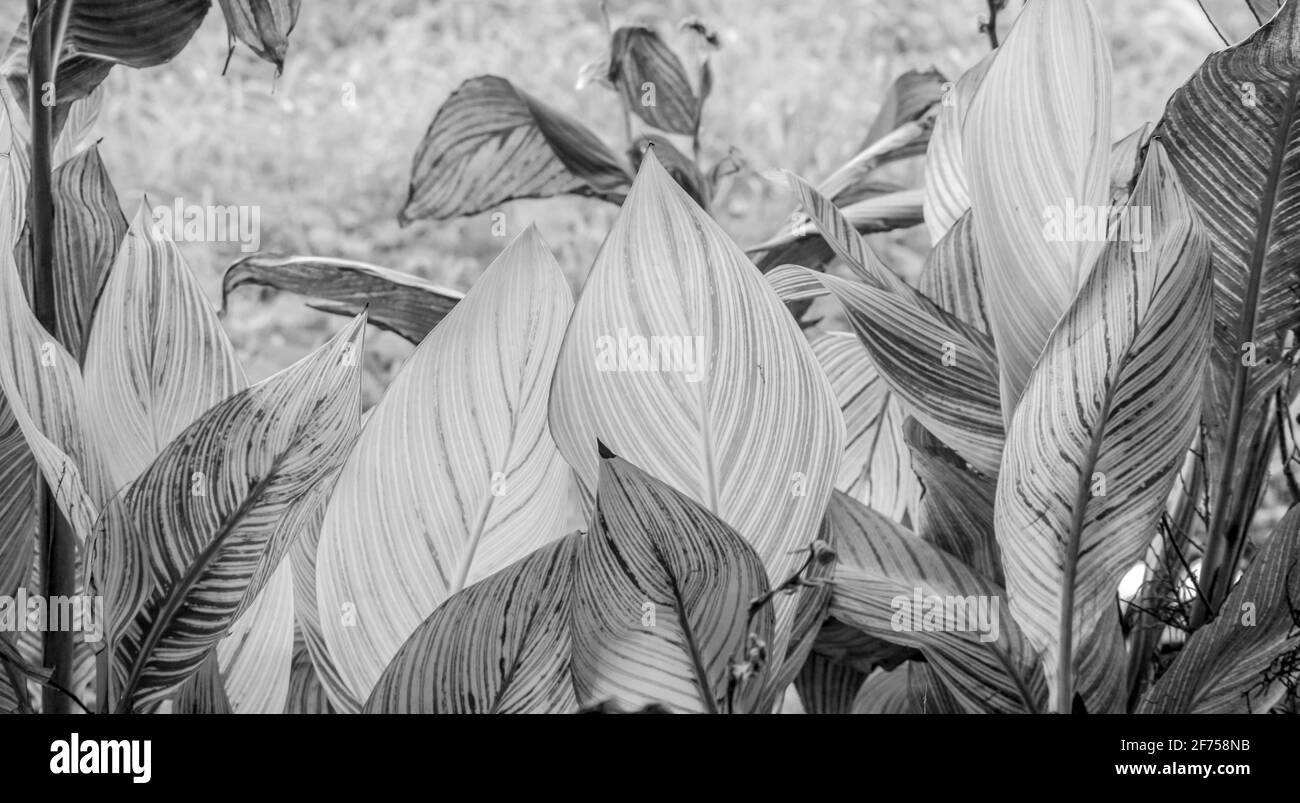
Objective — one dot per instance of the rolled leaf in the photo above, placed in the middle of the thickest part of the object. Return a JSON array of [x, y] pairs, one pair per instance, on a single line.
[[263, 25], [455, 476], [661, 602], [1031, 161], [501, 646], [398, 302], [677, 354], [491, 143], [1112, 406]]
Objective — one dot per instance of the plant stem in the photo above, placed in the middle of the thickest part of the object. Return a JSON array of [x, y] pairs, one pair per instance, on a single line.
[[58, 549]]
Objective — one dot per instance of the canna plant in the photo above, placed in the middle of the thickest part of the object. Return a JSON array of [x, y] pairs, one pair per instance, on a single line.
[[670, 493]]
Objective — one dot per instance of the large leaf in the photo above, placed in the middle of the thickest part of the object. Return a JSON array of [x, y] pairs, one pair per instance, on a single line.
[[398, 302], [256, 656], [157, 357], [186, 550], [491, 143], [943, 370], [1037, 139], [1112, 407], [661, 602], [1243, 661], [897, 588], [652, 81], [947, 194], [18, 502], [678, 354], [1234, 138], [953, 278], [306, 695], [263, 25], [455, 476], [827, 687], [875, 468], [501, 646]]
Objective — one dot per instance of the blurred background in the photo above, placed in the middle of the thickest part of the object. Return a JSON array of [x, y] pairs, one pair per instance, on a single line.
[[796, 85]]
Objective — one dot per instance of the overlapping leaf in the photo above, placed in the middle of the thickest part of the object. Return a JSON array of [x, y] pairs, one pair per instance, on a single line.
[[491, 142], [1036, 141], [263, 25], [455, 476], [1112, 407], [652, 81], [18, 501], [947, 194], [720, 359], [501, 646], [398, 302], [661, 602]]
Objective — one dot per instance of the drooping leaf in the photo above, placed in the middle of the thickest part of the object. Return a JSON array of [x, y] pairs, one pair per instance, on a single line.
[[398, 302], [677, 354], [909, 98], [491, 142], [1112, 406], [943, 370], [651, 80], [1233, 137], [500, 646], [263, 25], [185, 551], [1242, 661], [875, 468], [455, 476], [895, 587], [661, 602], [1036, 143], [157, 357]]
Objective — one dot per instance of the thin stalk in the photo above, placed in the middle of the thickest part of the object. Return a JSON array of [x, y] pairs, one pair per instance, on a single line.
[[58, 549]]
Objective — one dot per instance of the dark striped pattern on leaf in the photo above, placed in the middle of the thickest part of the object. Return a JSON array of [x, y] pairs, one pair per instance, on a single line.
[[652, 81], [500, 646], [398, 302], [491, 143], [827, 687], [18, 485], [204, 692], [263, 25]]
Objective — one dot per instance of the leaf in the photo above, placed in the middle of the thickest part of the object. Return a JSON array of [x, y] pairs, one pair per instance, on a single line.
[[953, 278], [947, 192], [909, 98], [661, 601], [885, 584], [826, 687], [263, 25], [1028, 161], [955, 510], [1264, 9], [875, 468], [204, 692], [500, 646], [943, 371], [185, 551], [886, 692], [306, 694], [1112, 406], [18, 501], [845, 644], [874, 214], [1232, 135], [157, 357], [455, 476], [402, 303], [257, 654], [651, 80], [491, 143], [1242, 662], [683, 169], [669, 279]]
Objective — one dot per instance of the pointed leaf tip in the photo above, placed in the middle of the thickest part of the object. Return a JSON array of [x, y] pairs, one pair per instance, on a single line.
[[605, 452]]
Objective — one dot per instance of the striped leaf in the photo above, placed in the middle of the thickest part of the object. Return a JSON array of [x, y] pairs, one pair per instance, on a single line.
[[306, 695], [953, 278], [652, 81], [157, 357], [263, 25], [875, 468], [870, 215], [827, 687], [491, 143], [187, 548], [677, 354], [397, 302], [204, 692], [455, 476], [1233, 137], [947, 194], [1244, 660], [661, 602], [1030, 162], [1112, 406], [895, 587], [256, 656], [88, 229], [501, 646], [18, 501], [41, 381], [886, 692]]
